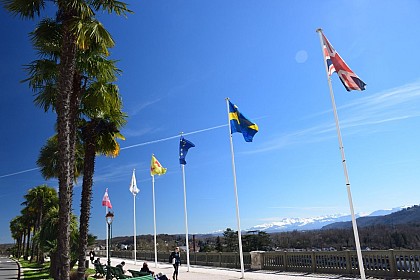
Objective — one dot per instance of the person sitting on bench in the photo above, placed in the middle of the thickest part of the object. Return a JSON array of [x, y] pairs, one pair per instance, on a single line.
[[145, 268], [120, 266]]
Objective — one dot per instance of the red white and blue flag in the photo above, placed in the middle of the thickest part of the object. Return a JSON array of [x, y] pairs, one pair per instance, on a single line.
[[336, 64]]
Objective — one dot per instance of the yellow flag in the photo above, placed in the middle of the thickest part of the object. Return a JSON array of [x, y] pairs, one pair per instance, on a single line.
[[156, 168]]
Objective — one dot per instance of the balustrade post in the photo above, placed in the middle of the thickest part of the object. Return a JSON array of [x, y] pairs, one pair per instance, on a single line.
[[392, 263], [257, 260], [349, 266], [285, 260], [313, 262]]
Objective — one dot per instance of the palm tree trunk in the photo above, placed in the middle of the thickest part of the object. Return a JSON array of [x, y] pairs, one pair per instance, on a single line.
[[88, 171], [33, 249], [22, 244], [66, 147], [19, 246], [28, 241]]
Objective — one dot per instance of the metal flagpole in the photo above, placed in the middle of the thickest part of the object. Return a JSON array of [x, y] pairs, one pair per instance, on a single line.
[[135, 236], [241, 257], [107, 233], [186, 218], [134, 190], [340, 142], [154, 216]]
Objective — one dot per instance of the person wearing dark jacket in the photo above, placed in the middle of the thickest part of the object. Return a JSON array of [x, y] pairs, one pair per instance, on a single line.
[[92, 256], [121, 266], [146, 269], [176, 262]]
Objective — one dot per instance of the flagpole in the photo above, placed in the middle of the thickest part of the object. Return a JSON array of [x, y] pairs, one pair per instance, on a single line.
[[135, 235], [107, 233], [186, 217], [154, 217], [241, 257], [340, 142]]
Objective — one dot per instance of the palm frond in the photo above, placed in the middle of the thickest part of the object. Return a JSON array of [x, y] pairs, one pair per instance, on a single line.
[[111, 6], [47, 38], [48, 159], [41, 72], [79, 8], [97, 67], [90, 33], [24, 8], [46, 97]]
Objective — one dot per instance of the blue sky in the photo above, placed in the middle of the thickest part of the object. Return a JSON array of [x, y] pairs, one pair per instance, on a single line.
[[181, 59]]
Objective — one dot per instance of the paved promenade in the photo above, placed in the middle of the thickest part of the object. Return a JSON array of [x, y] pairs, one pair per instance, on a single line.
[[9, 269], [206, 273]]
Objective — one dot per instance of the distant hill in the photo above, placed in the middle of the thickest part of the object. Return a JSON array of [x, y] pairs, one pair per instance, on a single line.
[[410, 215]]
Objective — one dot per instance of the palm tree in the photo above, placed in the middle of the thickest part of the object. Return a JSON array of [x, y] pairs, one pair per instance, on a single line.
[[72, 14], [99, 136], [48, 239], [37, 202], [100, 111], [18, 233], [28, 219]]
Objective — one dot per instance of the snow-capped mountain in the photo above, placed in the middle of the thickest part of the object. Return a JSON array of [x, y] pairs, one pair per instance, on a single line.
[[289, 224]]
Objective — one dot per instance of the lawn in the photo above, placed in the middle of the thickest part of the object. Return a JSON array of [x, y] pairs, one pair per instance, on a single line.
[[35, 271]]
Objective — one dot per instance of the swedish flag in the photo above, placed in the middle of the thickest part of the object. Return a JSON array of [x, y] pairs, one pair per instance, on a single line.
[[238, 123]]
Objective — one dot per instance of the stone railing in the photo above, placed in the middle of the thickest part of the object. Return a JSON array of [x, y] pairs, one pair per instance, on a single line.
[[229, 260], [386, 263]]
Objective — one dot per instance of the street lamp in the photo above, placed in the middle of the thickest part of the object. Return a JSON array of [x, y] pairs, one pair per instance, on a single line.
[[109, 217]]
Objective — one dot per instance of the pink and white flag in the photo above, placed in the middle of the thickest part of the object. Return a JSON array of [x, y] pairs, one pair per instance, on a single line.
[[106, 201]]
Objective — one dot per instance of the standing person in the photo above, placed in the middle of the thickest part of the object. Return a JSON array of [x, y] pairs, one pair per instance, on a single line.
[[92, 256], [175, 258]]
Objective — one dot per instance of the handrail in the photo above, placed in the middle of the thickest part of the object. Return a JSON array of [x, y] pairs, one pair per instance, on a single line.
[[377, 263]]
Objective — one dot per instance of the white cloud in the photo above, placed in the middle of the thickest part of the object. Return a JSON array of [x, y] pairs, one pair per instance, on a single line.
[[361, 115], [143, 105]]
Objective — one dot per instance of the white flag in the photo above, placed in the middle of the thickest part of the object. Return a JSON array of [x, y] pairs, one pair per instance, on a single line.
[[133, 186]]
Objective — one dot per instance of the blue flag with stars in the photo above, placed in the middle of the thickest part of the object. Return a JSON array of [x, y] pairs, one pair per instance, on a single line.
[[239, 123], [184, 145]]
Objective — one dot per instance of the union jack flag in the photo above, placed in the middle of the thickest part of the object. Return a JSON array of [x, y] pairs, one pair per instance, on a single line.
[[336, 64]]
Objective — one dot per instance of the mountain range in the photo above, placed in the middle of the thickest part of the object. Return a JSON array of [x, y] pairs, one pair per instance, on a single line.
[[301, 224], [407, 216]]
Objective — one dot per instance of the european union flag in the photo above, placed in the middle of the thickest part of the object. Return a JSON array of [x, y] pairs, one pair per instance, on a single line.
[[184, 145], [238, 123]]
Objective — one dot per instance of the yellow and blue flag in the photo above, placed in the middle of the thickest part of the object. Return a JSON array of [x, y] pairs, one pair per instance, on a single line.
[[238, 123], [184, 145]]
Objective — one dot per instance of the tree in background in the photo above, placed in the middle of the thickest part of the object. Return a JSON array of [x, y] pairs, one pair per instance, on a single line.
[[38, 201], [218, 247], [17, 229], [231, 240], [260, 241]]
